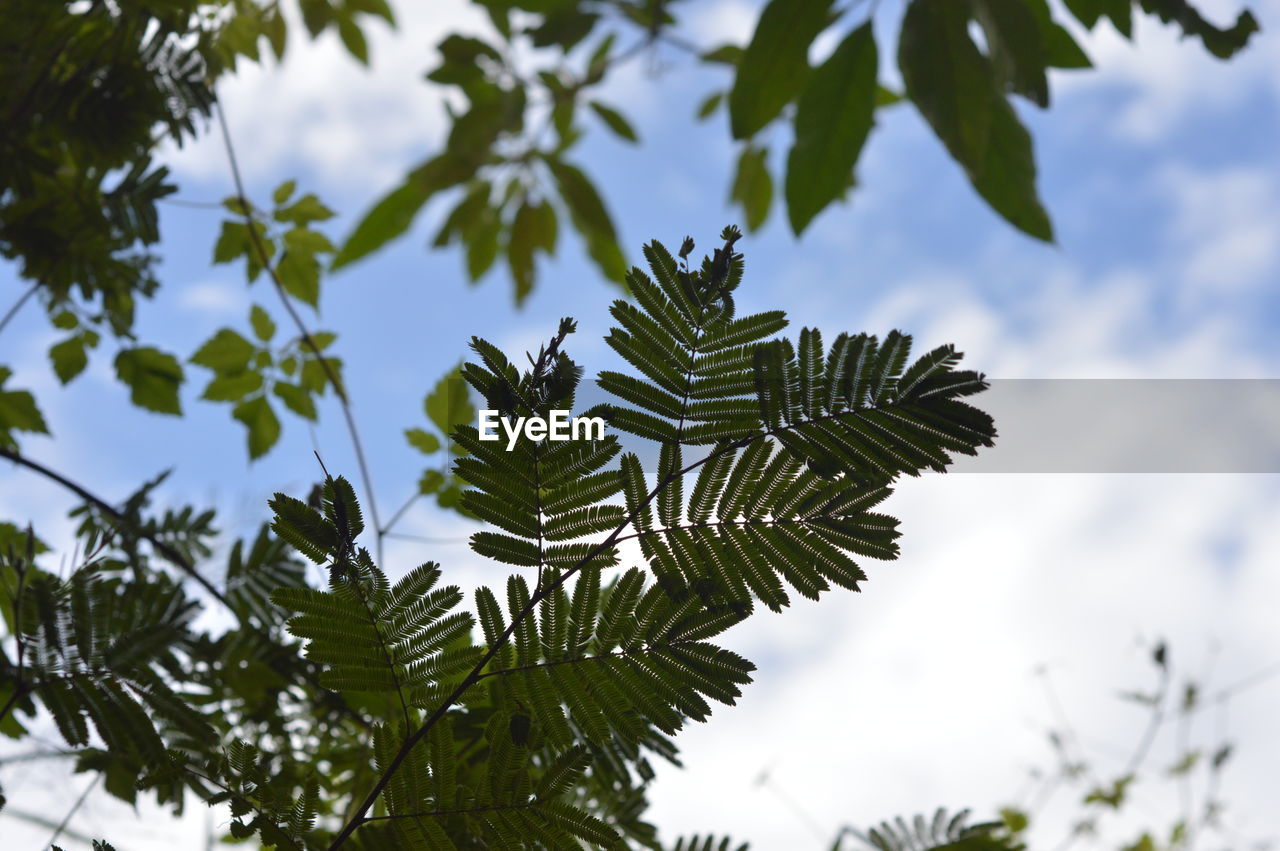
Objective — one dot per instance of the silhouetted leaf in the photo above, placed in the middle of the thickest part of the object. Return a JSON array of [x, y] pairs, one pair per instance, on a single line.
[[153, 378], [776, 62], [953, 86], [753, 185], [833, 117], [261, 421]]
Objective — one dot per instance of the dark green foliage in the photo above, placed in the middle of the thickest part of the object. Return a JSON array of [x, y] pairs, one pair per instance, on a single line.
[[708, 843], [963, 61], [786, 450], [397, 723], [95, 654], [18, 412], [942, 832], [83, 95]]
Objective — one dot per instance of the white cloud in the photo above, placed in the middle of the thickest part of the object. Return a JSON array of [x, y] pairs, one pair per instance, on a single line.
[[1170, 79], [724, 21], [354, 127], [1224, 226], [920, 691], [213, 296]]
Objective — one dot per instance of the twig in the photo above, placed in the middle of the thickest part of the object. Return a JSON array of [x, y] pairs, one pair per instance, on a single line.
[[75, 808], [307, 339], [1153, 725], [17, 305], [765, 780], [170, 554], [395, 518], [43, 821], [425, 539]]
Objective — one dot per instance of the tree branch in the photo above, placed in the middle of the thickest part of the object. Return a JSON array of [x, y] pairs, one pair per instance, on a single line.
[[170, 553], [307, 339], [17, 305]]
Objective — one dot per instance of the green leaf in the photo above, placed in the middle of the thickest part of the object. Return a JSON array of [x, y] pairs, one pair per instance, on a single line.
[[1113, 797], [589, 216], [234, 204], [710, 105], [482, 245], [153, 378], [953, 86], [69, 358], [17, 540], [226, 351], [833, 117], [263, 328], [260, 420], [353, 39], [393, 215], [1222, 43], [725, 54], [494, 110], [449, 404], [615, 121], [233, 241], [564, 28], [548, 229], [296, 399], [753, 185], [232, 386], [284, 191], [430, 482], [775, 63], [1016, 47], [18, 412], [299, 274], [521, 242], [422, 440], [305, 210], [307, 240]]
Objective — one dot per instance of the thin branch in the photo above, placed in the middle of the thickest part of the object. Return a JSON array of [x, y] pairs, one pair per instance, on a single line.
[[436, 813], [31, 756], [765, 780], [41, 820], [1153, 725], [616, 654], [307, 339], [711, 524], [395, 518], [425, 539], [170, 553], [75, 808], [17, 305]]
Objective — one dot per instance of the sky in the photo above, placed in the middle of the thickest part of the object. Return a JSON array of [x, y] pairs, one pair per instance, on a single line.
[[933, 686]]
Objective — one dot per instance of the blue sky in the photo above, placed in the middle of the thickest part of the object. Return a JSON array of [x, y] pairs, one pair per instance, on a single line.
[[1161, 175]]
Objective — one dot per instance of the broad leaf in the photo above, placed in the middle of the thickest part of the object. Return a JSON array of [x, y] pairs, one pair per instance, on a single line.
[[153, 378], [775, 64], [954, 87], [833, 117]]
